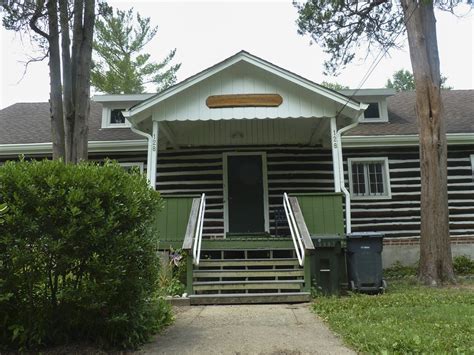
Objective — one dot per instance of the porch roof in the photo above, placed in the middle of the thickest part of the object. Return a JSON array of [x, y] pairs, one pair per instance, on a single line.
[[243, 73]]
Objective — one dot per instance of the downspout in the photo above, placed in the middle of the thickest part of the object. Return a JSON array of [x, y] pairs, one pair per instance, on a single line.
[[347, 194]]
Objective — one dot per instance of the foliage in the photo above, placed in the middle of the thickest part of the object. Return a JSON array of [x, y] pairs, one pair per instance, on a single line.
[[63, 32], [463, 265], [343, 27], [78, 259], [406, 320], [3, 210], [172, 279], [334, 86], [399, 271], [120, 66], [403, 80]]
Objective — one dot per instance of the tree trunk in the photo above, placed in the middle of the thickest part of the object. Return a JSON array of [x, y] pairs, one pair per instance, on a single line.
[[55, 95], [68, 102], [435, 248], [84, 18]]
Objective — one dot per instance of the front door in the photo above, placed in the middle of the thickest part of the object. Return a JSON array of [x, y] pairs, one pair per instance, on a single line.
[[245, 194]]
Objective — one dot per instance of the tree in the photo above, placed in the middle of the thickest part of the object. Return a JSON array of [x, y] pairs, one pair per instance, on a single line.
[[334, 86], [403, 80], [342, 27], [120, 67], [52, 24]]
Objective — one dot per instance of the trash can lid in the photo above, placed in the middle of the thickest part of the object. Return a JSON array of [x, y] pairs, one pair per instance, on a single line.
[[365, 235]]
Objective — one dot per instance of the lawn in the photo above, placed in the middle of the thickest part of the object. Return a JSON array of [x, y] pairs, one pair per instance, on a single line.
[[406, 319]]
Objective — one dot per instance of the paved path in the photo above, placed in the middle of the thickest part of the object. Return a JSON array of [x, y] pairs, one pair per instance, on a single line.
[[247, 329]]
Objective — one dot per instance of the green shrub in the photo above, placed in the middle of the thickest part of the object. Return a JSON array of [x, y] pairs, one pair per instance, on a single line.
[[399, 271], [78, 256], [463, 265]]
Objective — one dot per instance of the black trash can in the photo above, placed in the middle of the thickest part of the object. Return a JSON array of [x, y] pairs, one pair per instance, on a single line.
[[328, 264], [364, 262]]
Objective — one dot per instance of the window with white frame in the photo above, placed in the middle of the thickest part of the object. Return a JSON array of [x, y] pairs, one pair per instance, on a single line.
[[369, 178], [132, 165], [112, 117]]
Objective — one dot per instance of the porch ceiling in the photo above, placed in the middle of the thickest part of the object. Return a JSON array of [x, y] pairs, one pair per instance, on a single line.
[[304, 131]]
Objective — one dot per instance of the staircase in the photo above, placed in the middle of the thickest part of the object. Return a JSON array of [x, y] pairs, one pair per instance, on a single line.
[[248, 276]]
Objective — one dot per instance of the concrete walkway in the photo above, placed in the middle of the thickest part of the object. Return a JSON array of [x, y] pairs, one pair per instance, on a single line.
[[247, 329]]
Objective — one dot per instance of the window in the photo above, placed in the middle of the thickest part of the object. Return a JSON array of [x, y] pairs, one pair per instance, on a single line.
[[112, 117], [130, 166], [373, 111], [116, 116], [369, 178]]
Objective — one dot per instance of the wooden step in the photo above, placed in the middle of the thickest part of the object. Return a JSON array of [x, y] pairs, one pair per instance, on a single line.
[[249, 273], [248, 262], [248, 285], [250, 298]]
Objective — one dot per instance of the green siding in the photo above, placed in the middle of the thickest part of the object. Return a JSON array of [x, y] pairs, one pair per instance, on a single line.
[[322, 213], [173, 220]]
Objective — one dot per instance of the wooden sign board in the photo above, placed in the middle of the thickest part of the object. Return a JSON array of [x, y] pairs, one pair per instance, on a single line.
[[244, 100]]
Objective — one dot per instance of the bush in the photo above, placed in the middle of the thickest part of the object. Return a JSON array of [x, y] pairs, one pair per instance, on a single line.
[[399, 271], [78, 256], [463, 265]]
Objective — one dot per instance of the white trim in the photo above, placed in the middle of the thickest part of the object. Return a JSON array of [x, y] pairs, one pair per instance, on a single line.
[[154, 154], [400, 140], [94, 147], [107, 116], [368, 92], [121, 97], [383, 112], [251, 59], [132, 164], [335, 156], [266, 213], [385, 176]]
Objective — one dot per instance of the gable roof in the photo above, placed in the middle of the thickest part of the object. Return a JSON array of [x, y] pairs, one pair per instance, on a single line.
[[246, 57], [26, 123]]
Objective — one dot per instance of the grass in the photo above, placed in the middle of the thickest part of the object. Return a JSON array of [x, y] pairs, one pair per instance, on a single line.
[[408, 318]]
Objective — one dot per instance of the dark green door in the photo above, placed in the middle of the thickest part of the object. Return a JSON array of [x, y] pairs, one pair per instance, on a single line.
[[246, 209]]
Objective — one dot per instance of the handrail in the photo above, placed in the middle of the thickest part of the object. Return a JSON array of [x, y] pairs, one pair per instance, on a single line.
[[299, 232], [198, 231], [193, 236], [295, 234]]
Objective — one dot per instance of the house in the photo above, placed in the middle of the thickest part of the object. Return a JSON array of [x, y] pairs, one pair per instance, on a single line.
[[247, 154]]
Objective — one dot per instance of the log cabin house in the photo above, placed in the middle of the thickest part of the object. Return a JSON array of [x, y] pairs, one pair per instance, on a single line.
[[255, 162]]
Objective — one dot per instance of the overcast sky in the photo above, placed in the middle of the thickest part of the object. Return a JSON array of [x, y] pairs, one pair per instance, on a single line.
[[205, 33]]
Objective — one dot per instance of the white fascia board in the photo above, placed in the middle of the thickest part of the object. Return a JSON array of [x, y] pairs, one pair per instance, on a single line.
[[94, 147], [400, 140], [243, 56], [121, 98], [368, 92]]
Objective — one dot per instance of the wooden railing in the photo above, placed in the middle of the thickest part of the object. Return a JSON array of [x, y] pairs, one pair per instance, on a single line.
[[193, 236], [299, 232]]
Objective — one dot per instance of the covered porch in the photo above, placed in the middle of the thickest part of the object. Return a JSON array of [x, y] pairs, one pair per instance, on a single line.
[[248, 159]]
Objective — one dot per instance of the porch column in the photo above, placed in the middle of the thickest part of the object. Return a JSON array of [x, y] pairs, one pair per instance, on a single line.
[[335, 155], [153, 155]]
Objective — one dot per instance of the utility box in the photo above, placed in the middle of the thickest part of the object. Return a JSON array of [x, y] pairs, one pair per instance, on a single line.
[[364, 262], [328, 264]]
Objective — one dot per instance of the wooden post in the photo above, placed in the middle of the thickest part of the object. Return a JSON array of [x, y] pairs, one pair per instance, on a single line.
[[307, 272], [335, 155], [154, 154], [189, 273]]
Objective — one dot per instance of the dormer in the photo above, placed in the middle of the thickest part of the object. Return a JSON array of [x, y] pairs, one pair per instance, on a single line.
[[377, 101], [113, 105]]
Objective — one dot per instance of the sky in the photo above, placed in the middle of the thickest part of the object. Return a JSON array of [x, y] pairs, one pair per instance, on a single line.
[[205, 33]]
